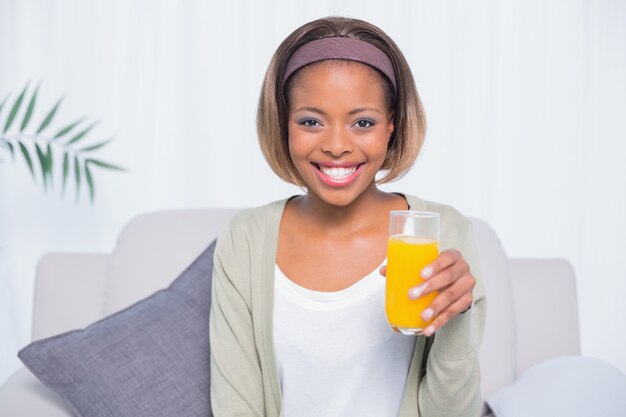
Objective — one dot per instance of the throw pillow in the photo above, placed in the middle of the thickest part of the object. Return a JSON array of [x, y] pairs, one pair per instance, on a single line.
[[150, 359], [573, 386]]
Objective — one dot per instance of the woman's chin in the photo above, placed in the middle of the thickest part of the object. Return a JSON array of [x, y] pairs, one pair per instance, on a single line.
[[343, 197]]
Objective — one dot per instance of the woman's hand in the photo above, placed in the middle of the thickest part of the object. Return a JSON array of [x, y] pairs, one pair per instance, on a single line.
[[450, 275]]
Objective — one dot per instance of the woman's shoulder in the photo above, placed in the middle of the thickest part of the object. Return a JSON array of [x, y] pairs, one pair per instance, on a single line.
[[253, 222], [258, 216], [248, 232]]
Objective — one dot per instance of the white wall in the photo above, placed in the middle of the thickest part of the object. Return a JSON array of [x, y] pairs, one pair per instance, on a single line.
[[525, 103]]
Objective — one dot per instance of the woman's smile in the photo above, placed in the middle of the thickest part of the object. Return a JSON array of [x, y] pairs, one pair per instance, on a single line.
[[339, 174]]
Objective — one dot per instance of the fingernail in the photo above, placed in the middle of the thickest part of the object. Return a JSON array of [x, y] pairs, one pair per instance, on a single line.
[[429, 330], [416, 292], [427, 314], [426, 272]]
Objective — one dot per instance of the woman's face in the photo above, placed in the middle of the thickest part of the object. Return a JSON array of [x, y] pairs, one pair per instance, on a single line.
[[339, 127]]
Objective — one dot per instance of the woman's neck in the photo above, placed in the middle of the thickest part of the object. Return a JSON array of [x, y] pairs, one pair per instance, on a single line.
[[362, 213]]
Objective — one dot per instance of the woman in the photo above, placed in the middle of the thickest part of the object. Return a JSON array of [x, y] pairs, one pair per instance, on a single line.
[[297, 318]]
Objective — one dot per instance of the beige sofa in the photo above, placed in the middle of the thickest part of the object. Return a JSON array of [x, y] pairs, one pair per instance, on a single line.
[[75, 289]]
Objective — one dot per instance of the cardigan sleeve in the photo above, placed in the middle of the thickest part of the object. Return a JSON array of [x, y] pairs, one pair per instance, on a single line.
[[451, 383], [236, 378]]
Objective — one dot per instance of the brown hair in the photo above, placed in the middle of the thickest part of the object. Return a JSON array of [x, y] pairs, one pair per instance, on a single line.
[[273, 111]]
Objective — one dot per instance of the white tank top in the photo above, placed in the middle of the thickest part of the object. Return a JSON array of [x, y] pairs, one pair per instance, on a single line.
[[336, 355]]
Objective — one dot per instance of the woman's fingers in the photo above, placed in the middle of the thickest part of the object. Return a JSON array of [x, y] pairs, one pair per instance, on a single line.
[[442, 279], [449, 296], [444, 260], [458, 306]]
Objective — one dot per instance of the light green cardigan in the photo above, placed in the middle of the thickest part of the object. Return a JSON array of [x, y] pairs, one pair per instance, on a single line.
[[444, 375]]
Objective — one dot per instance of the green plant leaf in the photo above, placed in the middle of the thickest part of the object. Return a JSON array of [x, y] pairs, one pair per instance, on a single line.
[[29, 109], [49, 163], [9, 145], [104, 164], [49, 116], [67, 128], [4, 101], [81, 134], [28, 159], [66, 166], [42, 161], [15, 109], [89, 182], [77, 175], [96, 146]]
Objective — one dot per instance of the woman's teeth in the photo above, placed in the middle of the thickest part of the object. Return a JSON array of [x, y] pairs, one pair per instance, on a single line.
[[338, 173]]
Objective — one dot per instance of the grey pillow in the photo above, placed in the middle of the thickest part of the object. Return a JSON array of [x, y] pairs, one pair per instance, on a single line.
[[150, 359]]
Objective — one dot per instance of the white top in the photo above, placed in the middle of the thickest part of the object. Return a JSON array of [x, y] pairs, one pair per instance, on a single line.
[[336, 355]]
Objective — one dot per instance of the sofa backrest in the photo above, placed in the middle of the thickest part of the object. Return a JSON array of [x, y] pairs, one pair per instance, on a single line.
[[154, 248], [546, 306], [498, 349]]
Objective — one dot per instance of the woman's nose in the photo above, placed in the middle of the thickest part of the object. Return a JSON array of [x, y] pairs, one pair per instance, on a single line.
[[337, 143]]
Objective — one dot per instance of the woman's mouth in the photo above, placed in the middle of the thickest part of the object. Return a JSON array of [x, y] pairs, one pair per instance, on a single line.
[[338, 176]]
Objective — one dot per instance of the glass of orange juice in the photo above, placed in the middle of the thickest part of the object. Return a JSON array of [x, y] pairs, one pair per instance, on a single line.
[[413, 244]]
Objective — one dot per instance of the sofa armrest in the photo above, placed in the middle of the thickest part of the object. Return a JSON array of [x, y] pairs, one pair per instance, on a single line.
[[24, 395], [546, 310], [69, 292]]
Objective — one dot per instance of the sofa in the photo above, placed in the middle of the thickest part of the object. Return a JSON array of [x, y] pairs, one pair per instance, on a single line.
[[75, 289]]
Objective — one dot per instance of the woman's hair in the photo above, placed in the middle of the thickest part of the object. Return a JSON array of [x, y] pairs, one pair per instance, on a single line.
[[273, 112]]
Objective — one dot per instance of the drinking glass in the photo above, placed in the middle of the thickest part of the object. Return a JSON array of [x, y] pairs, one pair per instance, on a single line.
[[413, 244]]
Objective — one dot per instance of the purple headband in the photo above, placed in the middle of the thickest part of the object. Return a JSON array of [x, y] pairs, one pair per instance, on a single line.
[[340, 47]]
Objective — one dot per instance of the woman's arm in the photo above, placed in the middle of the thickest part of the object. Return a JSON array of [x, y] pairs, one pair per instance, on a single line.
[[236, 379], [451, 383]]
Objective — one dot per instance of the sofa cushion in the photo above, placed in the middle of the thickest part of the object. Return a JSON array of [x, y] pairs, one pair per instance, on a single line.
[[150, 359], [23, 395], [572, 386]]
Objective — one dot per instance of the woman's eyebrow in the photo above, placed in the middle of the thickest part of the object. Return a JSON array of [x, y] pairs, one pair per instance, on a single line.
[[311, 109], [361, 109], [352, 112]]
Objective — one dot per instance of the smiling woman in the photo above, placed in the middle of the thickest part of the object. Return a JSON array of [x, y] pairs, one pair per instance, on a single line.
[[298, 323], [319, 43]]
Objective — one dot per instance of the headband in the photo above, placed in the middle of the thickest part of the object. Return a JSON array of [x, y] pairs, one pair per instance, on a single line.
[[340, 47]]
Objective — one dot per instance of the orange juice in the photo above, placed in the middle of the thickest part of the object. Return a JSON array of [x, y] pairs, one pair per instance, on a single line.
[[407, 256]]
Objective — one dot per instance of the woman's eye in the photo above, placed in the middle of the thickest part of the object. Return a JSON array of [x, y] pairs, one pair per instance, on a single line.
[[364, 123], [309, 122]]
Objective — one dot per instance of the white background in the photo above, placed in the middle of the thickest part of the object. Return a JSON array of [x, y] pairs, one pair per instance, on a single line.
[[526, 104]]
